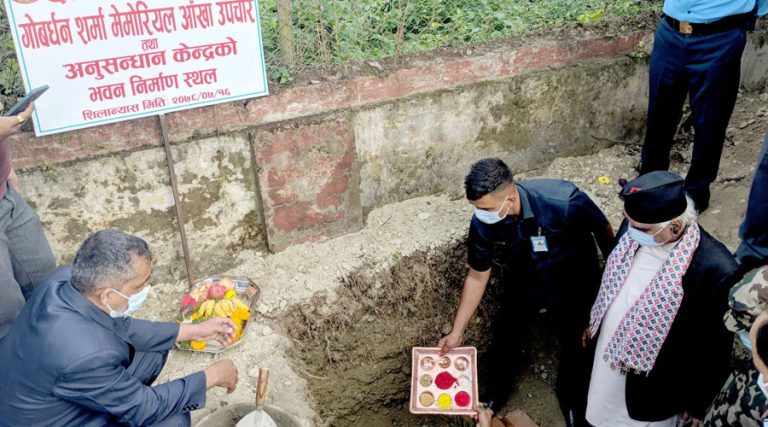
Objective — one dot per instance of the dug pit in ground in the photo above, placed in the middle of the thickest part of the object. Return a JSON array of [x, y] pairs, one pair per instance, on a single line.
[[359, 345]]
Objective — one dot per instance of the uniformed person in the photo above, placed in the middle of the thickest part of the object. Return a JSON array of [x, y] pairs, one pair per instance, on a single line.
[[544, 231], [753, 250], [741, 402], [696, 55]]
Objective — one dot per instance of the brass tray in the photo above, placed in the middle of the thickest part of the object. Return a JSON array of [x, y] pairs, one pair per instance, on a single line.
[[245, 289]]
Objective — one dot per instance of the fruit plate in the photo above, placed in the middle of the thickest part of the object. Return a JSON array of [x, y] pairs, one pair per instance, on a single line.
[[445, 385], [194, 308]]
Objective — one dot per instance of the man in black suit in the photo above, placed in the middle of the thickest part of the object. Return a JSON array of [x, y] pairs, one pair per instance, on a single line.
[[74, 356], [661, 348]]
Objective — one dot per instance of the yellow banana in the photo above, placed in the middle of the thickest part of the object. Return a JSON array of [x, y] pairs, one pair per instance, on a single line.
[[230, 307], [227, 307], [239, 303], [217, 311], [201, 309], [209, 306]]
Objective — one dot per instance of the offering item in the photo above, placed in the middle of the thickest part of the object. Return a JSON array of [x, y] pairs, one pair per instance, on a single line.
[[445, 385], [223, 296]]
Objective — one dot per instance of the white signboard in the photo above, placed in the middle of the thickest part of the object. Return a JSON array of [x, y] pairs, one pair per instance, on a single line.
[[108, 61]]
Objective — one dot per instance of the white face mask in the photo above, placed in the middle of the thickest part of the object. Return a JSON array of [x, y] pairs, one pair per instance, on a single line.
[[761, 384], [491, 217], [643, 238], [135, 302]]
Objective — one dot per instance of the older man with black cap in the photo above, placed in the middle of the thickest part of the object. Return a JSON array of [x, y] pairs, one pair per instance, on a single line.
[[661, 349]]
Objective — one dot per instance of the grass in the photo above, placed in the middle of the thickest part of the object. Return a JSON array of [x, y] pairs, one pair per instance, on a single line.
[[337, 31]]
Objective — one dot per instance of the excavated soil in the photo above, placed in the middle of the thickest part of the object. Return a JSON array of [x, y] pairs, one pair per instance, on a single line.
[[360, 344]]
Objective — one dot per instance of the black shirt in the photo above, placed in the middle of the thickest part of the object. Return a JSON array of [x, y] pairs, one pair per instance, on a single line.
[[556, 210]]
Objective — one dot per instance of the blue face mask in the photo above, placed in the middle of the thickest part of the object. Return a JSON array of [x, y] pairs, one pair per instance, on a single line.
[[491, 217], [642, 238], [744, 338], [135, 302]]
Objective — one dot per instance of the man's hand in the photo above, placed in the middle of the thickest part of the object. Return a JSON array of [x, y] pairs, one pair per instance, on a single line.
[[13, 179], [11, 125], [219, 329], [518, 418], [450, 341], [484, 416], [222, 373], [694, 422], [585, 337]]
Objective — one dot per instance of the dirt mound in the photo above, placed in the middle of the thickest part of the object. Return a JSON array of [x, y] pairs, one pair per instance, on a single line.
[[360, 344]]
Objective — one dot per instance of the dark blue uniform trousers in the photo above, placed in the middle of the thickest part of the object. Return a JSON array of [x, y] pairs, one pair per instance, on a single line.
[[146, 367], [708, 68], [753, 250]]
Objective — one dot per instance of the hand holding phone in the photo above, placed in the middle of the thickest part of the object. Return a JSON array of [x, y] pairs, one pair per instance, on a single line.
[[11, 125], [24, 103]]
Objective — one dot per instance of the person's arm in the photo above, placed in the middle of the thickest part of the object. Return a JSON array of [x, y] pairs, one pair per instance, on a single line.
[[220, 329], [222, 373], [716, 341], [605, 240], [582, 212], [11, 125], [747, 299], [518, 418], [148, 336], [160, 336], [471, 294], [13, 179]]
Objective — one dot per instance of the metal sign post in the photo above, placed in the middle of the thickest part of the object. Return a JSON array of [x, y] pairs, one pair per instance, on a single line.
[[176, 200]]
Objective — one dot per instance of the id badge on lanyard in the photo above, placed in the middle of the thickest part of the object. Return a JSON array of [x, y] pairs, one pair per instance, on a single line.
[[539, 244]]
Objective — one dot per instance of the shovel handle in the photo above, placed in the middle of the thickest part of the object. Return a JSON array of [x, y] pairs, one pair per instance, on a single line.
[[261, 388]]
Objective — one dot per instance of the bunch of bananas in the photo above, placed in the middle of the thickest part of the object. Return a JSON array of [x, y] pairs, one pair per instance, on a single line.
[[220, 308]]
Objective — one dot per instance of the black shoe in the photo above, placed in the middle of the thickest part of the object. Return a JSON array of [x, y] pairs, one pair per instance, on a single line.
[[701, 205], [700, 199]]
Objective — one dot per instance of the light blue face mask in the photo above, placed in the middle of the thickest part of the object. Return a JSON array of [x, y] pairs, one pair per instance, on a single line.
[[642, 238], [135, 302], [491, 217], [744, 338]]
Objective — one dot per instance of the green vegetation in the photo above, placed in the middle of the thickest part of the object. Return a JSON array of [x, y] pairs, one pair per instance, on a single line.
[[336, 31], [11, 85], [333, 31]]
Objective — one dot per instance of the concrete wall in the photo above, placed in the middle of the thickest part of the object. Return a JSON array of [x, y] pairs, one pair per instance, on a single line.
[[425, 144], [131, 191], [307, 162]]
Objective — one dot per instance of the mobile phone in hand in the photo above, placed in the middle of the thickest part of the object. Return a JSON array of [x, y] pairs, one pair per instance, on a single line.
[[24, 102]]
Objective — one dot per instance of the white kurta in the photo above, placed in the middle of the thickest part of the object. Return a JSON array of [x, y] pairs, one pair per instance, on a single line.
[[606, 405]]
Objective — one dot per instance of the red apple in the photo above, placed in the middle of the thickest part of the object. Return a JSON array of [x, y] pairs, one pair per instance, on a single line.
[[216, 292]]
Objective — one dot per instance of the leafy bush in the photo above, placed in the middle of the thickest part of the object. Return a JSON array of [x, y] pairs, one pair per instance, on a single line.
[[11, 85], [333, 31]]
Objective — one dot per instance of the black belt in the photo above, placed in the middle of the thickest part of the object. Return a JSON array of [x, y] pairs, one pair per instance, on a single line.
[[742, 21]]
